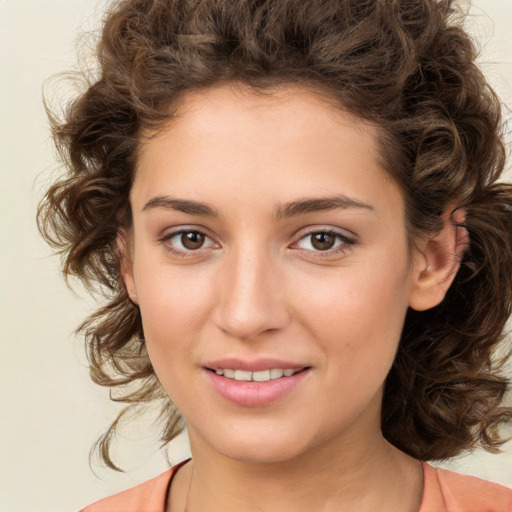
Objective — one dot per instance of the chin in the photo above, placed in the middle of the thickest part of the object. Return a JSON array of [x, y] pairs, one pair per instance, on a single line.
[[257, 454], [258, 448]]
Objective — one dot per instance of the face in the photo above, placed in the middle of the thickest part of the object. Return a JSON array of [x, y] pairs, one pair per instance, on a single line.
[[267, 237]]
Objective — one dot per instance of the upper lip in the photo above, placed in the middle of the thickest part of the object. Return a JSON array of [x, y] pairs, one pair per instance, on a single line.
[[253, 366]]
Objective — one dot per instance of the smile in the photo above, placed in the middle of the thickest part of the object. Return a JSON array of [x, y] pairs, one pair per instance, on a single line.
[[257, 387], [259, 376]]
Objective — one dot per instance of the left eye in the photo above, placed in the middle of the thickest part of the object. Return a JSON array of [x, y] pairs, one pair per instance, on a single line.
[[322, 241]]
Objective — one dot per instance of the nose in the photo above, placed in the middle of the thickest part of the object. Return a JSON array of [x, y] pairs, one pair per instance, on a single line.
[[251, 299]]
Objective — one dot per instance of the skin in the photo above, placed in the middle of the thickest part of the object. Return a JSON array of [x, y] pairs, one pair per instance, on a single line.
[[258, 287]]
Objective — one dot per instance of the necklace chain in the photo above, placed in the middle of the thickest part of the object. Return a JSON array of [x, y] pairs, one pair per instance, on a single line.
[[189, 486]]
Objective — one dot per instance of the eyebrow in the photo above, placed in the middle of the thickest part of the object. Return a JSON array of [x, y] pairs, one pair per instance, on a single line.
[[311, 205], [286, 210], [181, 205]]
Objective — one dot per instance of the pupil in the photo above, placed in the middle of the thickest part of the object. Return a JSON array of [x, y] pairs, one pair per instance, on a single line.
[[322, 241], [192, 240]]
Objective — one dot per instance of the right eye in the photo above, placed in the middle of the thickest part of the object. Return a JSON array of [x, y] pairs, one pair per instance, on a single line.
[[187, 240]]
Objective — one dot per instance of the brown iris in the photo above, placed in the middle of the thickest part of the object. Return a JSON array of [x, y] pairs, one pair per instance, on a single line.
[[322, 241], [192, 239]]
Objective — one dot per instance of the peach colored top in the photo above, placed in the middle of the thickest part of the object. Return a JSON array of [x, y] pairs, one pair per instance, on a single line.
[[443, 491]]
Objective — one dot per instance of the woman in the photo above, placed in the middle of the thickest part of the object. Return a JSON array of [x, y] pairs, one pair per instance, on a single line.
[[293, 208]]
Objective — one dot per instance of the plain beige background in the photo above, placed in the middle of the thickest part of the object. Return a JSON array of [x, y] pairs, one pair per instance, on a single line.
[[51, 412]]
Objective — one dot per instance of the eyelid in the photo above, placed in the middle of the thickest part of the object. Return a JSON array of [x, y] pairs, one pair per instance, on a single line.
[[346, 239], [165, 239]]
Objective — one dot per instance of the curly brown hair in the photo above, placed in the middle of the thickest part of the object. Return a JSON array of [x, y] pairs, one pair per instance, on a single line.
[[407, 66]]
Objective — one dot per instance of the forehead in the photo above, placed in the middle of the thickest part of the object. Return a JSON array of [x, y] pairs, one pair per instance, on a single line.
[[291, 111], [290, 138]]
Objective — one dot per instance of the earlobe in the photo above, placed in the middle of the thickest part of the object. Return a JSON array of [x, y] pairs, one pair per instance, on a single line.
[[438, 261], [124, 249]]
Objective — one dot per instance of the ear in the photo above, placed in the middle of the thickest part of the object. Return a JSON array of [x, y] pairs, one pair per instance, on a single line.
[[438, 260], [125, 254]]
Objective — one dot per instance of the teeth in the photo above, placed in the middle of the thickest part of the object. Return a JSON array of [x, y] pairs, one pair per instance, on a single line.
[[276, 373], [243, 375], [261, 376]]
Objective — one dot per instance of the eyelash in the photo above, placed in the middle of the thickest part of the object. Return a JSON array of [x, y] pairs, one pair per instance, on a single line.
[[179, 252], [344, 242]]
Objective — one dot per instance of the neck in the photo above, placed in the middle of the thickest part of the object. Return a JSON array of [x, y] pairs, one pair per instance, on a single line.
[[373, 476]]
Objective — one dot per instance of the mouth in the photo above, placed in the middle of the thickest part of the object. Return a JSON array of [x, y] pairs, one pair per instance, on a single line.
[[256, 376], [255, 384]]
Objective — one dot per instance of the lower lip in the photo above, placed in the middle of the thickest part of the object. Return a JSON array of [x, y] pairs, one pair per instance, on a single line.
[[255, 394]]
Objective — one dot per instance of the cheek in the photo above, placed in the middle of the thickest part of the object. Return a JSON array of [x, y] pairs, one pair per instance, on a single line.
[[173, 305], [355, 298], [170, 324], [358, 314]]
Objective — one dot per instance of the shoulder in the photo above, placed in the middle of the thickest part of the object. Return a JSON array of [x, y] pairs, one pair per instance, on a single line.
[[447, 491], [149, 496]]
